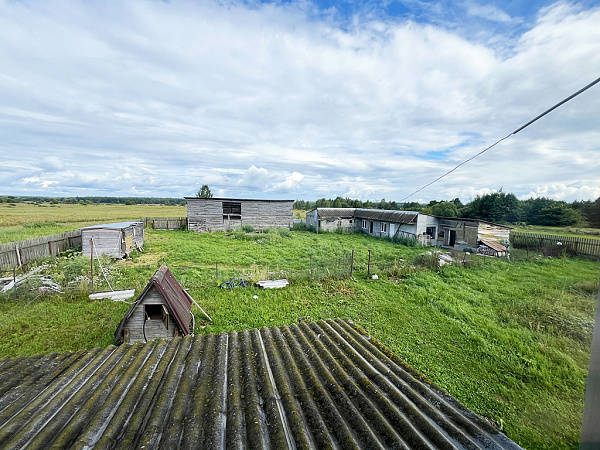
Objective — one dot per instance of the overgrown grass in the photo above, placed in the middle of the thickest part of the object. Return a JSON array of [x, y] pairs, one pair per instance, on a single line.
[[511, 341]]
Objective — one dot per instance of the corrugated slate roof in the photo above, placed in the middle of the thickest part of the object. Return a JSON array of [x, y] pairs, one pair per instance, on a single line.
[[386, 215], [310, 385], [178, 301], [336, 213]]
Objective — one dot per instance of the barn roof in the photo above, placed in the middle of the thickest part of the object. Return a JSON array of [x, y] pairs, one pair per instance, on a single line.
[[310, 385], [336, 213], [385, 215], [112, 226], [178, 301]]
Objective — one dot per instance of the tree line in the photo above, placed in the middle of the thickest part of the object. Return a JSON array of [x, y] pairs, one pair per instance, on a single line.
[[92, 200], [497, 207]]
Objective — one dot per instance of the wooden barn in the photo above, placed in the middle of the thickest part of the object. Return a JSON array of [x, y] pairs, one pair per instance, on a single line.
[[222, 214], [472, 233], [116, 240], [162, 310]]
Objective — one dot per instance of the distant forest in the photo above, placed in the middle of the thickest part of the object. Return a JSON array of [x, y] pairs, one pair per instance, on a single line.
[[90, 200], [497, 207]]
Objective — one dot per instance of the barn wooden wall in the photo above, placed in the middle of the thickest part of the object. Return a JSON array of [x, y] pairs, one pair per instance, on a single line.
[[207, 214], [18, 253]]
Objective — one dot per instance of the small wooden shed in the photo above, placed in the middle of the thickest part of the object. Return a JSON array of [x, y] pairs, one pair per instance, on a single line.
[[116, 240], [162, 310]]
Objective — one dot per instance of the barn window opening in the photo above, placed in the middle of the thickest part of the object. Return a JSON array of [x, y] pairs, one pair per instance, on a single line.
[[384, 227], [232, 210], [430, 231], [364, 223]]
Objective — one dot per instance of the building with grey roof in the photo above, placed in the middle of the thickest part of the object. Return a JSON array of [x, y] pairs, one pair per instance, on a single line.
[[324, 384]]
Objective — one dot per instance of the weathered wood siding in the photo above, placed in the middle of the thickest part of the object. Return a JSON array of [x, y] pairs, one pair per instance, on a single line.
[[113, 242], [106, 242], [15, 254], [165, 223], [466, 232], [206, 214], [155, 329], [469, 232]]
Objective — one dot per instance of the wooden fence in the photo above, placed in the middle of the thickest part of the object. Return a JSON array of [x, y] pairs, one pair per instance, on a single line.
[[15, 254], [572, 245], [165, 223]]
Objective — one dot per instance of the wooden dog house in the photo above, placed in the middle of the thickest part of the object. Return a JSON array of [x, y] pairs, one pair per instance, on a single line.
[[162, 310]]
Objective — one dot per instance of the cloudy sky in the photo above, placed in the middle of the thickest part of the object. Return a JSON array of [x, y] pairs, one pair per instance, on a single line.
[[298, 100]]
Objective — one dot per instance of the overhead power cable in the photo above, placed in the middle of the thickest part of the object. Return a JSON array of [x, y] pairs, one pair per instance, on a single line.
[[596, 81]]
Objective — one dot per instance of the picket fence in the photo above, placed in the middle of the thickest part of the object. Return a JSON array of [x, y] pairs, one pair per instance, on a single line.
[[574, 245], [15, 254]]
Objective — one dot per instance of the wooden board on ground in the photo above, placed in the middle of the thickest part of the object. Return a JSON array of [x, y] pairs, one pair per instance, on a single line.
[[114, 295], [273, 284]]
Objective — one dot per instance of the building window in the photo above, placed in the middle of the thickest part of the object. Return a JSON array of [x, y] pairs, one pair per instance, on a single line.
[[364, 223], [430, 231], [350, 221], [384, 227], [232, 211]]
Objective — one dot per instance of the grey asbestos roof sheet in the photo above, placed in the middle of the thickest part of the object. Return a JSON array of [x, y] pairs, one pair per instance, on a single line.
[[385, 215], [336, 213], [310, 385]]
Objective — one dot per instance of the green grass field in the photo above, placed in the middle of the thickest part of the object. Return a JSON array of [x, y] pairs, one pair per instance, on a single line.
[[509, 340], [20, 221]]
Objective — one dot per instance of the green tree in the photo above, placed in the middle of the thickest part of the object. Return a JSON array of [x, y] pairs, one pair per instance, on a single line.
[[444, 209], [204, 192], [594, 214]]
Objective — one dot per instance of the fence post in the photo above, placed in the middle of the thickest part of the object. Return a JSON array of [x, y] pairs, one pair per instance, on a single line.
[[19, 260], [369, 265], [352, 263], [15, 280]]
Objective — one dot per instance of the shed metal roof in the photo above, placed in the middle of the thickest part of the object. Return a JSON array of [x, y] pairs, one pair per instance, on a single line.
[[385, 215], [310, 385], [112, 226], [336, 213], [178, 301]]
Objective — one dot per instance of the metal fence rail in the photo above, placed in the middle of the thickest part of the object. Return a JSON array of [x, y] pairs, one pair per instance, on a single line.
[[572, 245]]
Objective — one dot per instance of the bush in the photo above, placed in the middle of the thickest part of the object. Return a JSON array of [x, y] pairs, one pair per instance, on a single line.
[[247, 228]]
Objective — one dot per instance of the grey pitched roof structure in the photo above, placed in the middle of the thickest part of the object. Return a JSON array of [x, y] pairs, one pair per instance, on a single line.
[[310, 385]]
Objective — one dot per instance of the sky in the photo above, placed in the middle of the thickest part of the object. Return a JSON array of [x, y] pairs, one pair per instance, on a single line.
[[298, 99]]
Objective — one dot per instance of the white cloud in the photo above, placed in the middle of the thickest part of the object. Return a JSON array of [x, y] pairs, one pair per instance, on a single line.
[[266, 101], [488, 12], [291, 183]]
